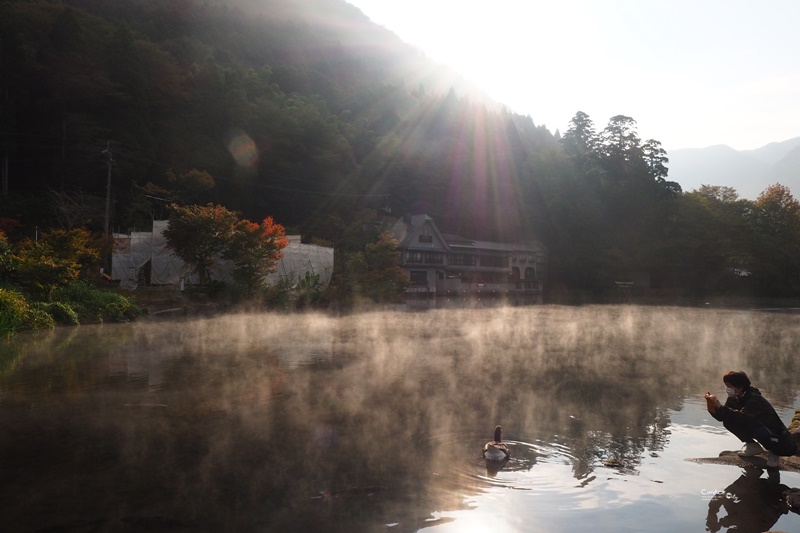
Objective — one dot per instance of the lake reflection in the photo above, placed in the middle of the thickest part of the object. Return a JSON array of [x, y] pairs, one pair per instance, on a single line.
[[375, 422]]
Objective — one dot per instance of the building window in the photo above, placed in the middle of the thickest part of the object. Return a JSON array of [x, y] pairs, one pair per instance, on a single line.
[[426, 238], [495, 261], [432, 258], [426, 258], [462, 260], [419, 277]]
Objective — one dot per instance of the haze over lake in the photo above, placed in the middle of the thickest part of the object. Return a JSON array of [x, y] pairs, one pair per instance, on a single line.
[[375, 421]]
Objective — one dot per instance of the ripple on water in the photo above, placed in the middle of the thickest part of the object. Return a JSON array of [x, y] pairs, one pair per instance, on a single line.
[[539, 466], [524, 470]]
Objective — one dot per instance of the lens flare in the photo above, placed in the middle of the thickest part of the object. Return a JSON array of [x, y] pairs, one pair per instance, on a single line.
[[243, 149]]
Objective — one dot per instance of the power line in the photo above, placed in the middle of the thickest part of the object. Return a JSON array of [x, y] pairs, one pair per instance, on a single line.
[[303, 191]]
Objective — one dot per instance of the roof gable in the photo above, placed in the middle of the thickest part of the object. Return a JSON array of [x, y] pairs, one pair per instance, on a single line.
[[419, 232]]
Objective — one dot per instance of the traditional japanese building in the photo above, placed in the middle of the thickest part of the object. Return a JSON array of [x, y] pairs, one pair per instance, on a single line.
[[444, 266]]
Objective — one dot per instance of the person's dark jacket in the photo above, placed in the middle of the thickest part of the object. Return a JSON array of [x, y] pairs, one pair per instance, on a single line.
[[750, 409]]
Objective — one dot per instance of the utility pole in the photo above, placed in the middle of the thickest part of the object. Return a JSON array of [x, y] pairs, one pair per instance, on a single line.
[[5, 176], [109, 162]]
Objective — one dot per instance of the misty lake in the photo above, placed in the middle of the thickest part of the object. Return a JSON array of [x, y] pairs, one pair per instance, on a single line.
[[375, 422]]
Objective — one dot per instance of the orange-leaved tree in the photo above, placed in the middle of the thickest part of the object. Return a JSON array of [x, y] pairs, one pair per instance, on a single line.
[[255, 250]]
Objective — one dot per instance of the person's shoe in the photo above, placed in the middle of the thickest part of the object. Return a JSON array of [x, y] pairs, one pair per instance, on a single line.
[[750, 449], [773, 461]]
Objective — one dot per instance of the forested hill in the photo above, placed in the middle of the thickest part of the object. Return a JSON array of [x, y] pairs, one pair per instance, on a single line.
[[305, 111], [296, 109]]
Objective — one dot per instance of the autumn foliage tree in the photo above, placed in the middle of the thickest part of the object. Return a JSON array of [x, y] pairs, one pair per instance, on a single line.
[[5, 257], [775, 220], [54, 260], [255, 250], [74, 245], [199, 234], [202, 235]]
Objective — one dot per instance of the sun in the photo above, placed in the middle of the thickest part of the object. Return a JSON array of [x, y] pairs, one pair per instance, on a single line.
[[502, 47]]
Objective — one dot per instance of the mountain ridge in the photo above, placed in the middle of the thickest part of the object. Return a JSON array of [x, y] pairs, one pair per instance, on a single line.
[[747, 171]]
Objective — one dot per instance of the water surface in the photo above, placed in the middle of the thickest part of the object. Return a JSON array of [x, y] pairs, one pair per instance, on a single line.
[[375, 421]]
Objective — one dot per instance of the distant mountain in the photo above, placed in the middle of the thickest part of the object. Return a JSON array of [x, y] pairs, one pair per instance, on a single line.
[[747, 171]]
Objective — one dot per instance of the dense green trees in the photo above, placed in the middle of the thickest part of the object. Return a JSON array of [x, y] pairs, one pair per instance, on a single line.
[[616, 215], [611, 207], [372, 273], [382, 278]]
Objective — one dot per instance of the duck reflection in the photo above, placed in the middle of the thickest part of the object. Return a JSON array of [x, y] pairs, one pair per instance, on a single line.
[[493, 467], [751, 504]]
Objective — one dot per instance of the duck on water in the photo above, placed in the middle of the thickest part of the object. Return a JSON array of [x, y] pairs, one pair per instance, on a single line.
[[496, 450]]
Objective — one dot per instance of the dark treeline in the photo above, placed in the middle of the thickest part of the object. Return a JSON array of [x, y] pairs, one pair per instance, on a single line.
[[307, 112]]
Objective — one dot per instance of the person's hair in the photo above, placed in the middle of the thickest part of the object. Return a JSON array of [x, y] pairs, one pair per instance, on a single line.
[[737, 378]]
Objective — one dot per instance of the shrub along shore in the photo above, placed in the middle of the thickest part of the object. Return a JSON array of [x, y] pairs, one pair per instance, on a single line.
[[78, 303]]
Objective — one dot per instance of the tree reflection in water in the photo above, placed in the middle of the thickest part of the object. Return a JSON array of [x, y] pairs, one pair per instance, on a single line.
[[290, 422]]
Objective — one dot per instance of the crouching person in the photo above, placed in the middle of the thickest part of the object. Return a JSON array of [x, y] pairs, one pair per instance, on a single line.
[[749, 416]]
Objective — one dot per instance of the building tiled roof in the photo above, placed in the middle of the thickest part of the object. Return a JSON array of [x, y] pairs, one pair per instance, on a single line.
[[409, 228]]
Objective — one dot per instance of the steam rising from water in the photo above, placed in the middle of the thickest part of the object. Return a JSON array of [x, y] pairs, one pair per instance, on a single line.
[[263, 422]]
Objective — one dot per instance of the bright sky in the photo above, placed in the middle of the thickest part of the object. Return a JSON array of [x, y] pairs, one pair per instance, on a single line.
[[692, 73]]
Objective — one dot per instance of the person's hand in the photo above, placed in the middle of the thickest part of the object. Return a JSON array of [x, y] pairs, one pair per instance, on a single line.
[[712, 403]]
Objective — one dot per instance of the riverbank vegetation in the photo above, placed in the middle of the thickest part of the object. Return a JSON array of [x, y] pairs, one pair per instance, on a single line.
[[55, 278], [46, 281]]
